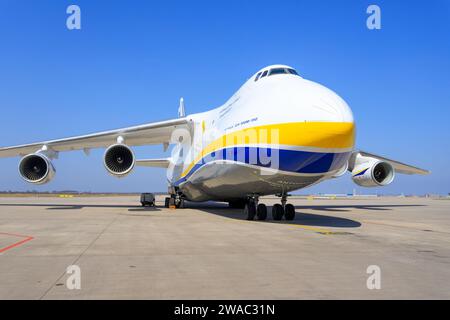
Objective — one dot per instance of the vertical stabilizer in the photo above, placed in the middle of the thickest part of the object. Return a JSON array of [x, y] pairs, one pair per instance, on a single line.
[[181, 112]]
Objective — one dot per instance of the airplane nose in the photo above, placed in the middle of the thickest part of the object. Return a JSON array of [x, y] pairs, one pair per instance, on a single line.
[[329, 106], [329, 121]]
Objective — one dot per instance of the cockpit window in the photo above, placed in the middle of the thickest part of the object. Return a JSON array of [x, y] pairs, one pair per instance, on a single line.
[[277, 71]]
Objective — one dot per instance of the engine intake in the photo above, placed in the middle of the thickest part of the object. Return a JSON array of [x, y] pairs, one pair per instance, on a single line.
[[374, 173], [36, 168], [119, 160]]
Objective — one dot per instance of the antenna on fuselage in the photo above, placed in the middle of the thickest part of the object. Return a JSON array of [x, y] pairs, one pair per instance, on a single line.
[[181, 112]]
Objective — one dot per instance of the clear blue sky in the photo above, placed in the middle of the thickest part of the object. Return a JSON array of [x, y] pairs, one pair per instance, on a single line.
[[132, 60]]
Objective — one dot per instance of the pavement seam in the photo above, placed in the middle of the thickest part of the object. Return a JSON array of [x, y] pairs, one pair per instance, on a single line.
[[79, 256], [403, 227]]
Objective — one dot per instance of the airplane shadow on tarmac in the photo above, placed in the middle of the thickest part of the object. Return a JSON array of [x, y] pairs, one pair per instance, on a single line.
[[301, 218], [222, 209]]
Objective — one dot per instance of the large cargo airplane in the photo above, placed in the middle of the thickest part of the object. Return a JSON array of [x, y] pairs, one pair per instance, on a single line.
[[278, 133]]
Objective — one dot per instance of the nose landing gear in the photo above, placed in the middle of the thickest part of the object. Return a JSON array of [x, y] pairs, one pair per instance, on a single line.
[[174, 201]]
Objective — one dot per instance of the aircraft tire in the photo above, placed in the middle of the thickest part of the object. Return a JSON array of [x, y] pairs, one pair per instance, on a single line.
[[289, 212], [261, 212], [277, 212], [250, 211]]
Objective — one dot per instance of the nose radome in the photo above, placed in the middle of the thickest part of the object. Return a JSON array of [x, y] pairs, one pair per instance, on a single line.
[[328, 105]]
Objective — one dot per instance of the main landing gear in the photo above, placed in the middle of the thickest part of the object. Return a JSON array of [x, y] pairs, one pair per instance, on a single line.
[[284, 209], [253, 209]]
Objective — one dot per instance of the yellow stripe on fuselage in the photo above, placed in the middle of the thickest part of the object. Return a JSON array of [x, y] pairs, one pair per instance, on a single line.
[[327, 135]]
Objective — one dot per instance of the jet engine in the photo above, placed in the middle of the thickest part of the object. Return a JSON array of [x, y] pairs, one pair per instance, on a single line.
[[119, 160], [36, 168], [373, 173]]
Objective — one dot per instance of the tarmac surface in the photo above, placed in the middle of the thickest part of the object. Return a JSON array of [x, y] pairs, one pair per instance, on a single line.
[[209, 251]]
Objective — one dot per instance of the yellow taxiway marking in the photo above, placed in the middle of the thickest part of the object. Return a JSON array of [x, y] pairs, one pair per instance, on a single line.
[[315, 229]]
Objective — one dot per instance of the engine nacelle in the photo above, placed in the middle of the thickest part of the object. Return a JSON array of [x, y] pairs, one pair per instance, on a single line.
[[119, 160], [36, 168], [373, 173]]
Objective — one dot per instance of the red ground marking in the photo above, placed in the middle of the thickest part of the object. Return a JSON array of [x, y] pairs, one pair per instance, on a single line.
[[26, 239]]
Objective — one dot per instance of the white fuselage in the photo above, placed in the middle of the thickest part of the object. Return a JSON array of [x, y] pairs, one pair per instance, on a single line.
[[274, 135]]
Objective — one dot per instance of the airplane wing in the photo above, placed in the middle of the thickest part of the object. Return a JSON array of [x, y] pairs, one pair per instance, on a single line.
[[157, 163], [152, 133], [399, 167]]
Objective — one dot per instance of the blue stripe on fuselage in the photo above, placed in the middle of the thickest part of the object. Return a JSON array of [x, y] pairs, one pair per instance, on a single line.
[[285, 160]]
